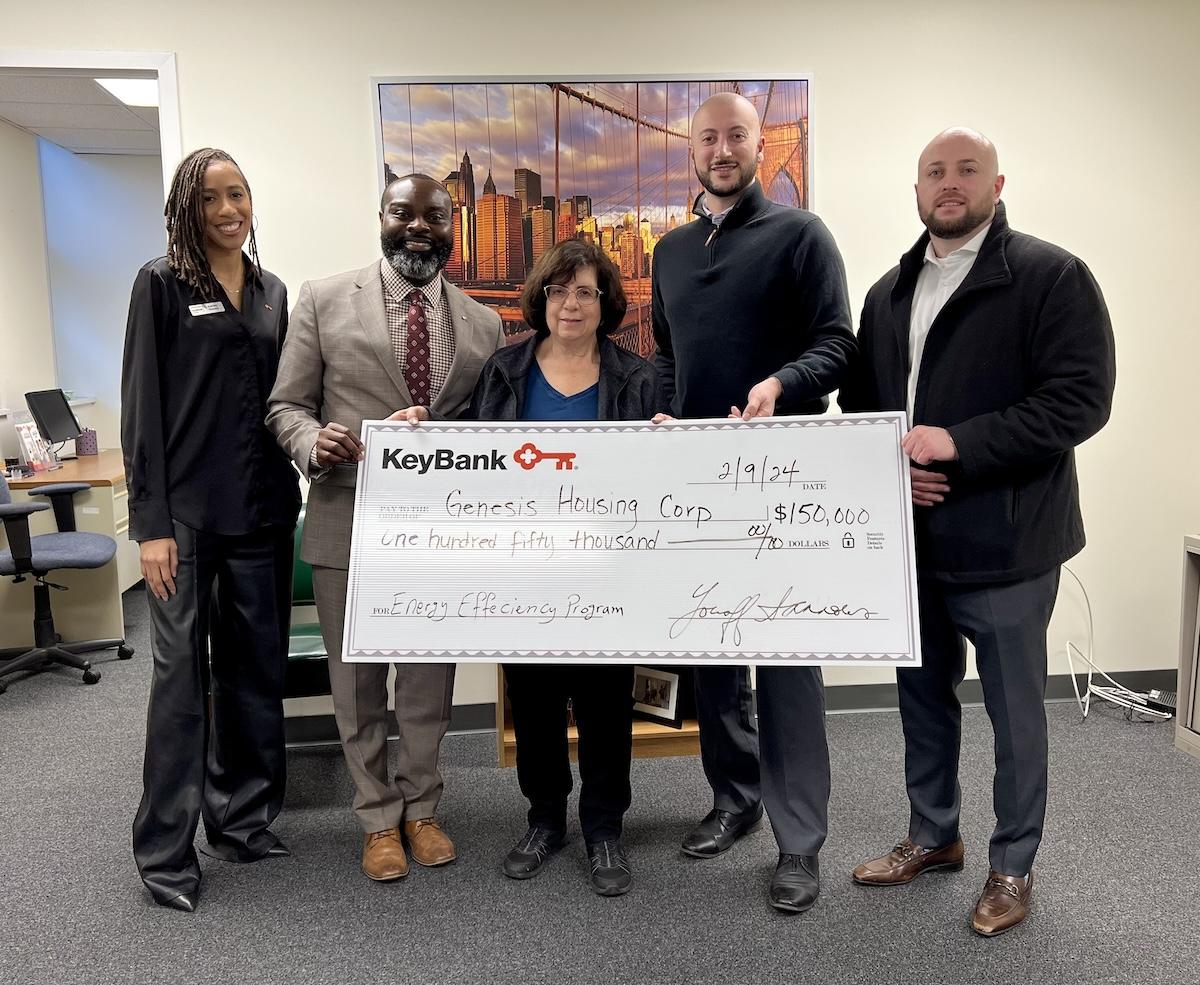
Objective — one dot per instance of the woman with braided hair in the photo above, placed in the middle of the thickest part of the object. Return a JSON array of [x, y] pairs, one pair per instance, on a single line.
[[212, 503]]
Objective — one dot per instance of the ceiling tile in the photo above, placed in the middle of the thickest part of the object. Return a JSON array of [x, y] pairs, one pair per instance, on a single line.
[[149, 114], [72, 115], [103, 141], [53, 89]]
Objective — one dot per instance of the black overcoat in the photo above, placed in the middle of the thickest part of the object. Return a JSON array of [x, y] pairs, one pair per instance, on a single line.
[[1019, 366]]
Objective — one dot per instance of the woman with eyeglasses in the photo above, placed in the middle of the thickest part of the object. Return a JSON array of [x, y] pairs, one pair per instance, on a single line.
[[569, 370]]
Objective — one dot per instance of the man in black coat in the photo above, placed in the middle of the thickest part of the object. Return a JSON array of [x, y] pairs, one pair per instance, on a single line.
[[1000, 348]]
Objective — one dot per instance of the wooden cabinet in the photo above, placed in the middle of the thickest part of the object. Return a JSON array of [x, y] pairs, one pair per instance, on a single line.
[[649, 738], [91, 609]]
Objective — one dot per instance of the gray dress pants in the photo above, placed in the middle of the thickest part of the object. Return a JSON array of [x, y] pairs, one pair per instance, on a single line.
[[1007, 624], [423, 696], [792, 778]]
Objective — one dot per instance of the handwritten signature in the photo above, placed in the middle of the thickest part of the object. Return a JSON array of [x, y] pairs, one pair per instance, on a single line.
[[752, 609]]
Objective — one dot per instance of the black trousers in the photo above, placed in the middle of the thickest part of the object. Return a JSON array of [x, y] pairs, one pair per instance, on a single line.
[[214, 727], [1007, 625], [602, 699], [791, 776]]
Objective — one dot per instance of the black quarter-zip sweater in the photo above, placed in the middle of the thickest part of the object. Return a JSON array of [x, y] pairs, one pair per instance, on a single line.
[[764, 294]]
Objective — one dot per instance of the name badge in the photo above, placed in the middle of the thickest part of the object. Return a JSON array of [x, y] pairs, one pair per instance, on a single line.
[[212, 308]]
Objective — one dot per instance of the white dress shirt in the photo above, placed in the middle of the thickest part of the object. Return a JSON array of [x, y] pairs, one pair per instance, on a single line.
[[940, 277]]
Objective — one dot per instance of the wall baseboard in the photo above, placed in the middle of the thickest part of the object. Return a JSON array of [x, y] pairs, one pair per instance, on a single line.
[[305, 729], [839, 699], [882, 697]]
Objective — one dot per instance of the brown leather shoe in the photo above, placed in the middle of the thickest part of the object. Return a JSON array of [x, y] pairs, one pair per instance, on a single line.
[[428, 843], [1003, 904], [383, 856], [907, 861]]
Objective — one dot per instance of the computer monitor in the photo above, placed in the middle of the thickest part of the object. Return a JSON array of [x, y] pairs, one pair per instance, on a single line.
[[55, 419]]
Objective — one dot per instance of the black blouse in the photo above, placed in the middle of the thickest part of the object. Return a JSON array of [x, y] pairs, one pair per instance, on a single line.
[[194, 389]]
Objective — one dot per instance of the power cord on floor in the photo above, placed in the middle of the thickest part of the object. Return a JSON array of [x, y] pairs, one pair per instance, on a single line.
[[1137, 705]]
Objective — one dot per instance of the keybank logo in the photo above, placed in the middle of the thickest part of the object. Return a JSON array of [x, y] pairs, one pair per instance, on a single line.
[[443, 460], [529, 454]]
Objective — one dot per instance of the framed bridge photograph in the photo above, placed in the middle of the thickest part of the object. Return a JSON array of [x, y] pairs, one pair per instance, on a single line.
[[530, 162]]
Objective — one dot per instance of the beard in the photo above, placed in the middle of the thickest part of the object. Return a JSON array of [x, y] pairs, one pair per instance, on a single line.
[[420, 268], [971, 219], [746, 176]]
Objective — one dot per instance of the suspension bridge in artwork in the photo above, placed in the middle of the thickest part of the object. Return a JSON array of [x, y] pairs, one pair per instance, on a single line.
[[603, 161]]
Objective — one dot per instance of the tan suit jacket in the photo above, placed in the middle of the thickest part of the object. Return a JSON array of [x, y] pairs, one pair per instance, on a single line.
[[338, 365]]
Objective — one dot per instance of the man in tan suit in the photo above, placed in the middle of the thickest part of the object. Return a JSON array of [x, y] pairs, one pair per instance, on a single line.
[[366, 345]]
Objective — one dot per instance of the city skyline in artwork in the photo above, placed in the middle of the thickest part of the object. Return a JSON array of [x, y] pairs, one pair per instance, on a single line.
[[530, 163]]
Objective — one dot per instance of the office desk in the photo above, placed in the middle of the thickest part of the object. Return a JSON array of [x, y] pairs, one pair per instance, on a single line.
[[92, 607]]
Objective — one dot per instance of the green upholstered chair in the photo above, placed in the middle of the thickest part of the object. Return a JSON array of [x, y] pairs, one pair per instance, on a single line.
[[308, 663]]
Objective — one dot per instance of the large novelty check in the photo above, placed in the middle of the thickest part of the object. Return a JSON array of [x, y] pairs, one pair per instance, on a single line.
[[786, 540]]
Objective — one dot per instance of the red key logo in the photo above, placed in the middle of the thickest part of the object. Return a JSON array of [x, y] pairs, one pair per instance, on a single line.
[[529, 454]]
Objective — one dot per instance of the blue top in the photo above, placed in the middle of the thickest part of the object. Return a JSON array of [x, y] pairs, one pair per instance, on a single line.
[[544, 403]]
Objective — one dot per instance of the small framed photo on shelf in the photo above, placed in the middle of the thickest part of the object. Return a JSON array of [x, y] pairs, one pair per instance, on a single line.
[[656, 696], [33, 446]]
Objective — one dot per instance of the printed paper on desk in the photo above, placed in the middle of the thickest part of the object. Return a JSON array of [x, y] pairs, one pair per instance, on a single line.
[[782, 540]]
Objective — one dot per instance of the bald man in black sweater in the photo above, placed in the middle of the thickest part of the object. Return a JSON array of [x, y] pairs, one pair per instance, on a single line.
[[751, 317]]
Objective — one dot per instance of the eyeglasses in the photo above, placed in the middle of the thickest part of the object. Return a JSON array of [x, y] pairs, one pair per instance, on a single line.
[[558, 294]]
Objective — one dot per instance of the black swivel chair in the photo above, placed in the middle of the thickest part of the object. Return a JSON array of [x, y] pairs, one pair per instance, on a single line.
[[37, 556]]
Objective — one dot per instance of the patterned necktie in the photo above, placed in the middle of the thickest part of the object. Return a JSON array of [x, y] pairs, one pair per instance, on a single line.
[[416, 365]]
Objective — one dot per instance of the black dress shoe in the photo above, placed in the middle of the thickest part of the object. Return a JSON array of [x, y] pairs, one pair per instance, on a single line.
[[796, 882], [264, 845], [610, 872], [184, 901], [278, 850], [718, 831], [530, 853]]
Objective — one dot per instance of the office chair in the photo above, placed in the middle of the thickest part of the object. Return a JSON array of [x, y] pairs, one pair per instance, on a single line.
[[37, 556]]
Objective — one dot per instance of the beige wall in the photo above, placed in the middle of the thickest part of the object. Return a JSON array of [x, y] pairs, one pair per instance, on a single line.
[[1090, 104], [26, 337]]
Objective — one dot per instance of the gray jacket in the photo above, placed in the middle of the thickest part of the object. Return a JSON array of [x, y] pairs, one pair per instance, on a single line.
[[338, 365]]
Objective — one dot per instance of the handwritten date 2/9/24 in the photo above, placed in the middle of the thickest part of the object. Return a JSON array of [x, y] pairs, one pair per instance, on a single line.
[[762, 472]]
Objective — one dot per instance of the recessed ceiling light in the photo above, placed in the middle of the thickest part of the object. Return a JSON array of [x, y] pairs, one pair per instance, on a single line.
[[132, 92]]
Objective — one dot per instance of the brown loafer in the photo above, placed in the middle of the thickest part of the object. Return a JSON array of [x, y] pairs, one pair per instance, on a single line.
[[383, 856], [907, 861], [1003, 904], [428, 843]]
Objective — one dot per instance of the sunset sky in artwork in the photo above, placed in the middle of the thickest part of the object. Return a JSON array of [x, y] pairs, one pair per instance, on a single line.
[[427, 127]]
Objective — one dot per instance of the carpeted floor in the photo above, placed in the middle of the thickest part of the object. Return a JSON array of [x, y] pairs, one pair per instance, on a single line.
[[1118, 895]]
